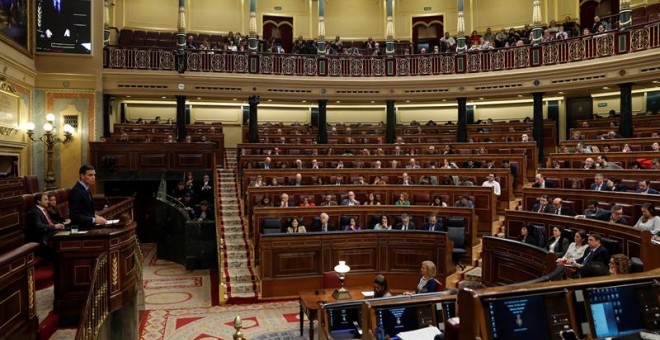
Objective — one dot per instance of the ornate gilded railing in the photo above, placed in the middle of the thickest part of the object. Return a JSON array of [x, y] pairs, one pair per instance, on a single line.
[[638, 38], [96, 308]]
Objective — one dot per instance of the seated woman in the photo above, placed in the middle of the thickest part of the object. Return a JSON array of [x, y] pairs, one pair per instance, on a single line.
[[352, 225], [379, 181], [427, 283], [371, 200], [557, 243], [649, 220], [383, 224], [53, 212], [403, 199], [306, 203], [295, 227], [265, 202], [526, 236], [381, 288], [619, 264], [437, 202], [575, 249]]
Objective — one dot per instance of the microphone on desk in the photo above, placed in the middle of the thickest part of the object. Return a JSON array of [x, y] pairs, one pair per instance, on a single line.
[[107, 203]]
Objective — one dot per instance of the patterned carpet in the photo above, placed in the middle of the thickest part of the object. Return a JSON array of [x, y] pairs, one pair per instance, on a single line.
[[278, 320]]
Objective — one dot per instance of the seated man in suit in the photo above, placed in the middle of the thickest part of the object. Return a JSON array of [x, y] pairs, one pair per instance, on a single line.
[[616, 215], [595, 212], [405, 179], [204, 189], [595, 253], [644, 188], [285, 203], [539, 182], [599, 183], [543, 206], [268, 163], [559, 209], [204, 213], [324, 225], [297, 181], [350, 200], [434, 224], [328, 201], [464, 202], [406, 223], [81, 204], [40, 226]]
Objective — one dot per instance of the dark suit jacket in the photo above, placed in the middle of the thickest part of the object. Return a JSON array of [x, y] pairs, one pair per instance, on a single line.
[[561, 246], [411, 226], [650, 191], [603, 186], [599, 255], [565, 211], [210, 215], [601, 214], [529, 240], [546, 209], [438, 226], [547, 185], [81, 207], [38, 229], [291, 204], [58, 22], [317, 228]]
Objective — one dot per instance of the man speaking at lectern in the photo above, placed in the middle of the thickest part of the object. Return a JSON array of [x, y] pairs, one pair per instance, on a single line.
[[81, 204]]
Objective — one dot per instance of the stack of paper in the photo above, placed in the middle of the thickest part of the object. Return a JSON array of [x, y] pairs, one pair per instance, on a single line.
[[423, 333]]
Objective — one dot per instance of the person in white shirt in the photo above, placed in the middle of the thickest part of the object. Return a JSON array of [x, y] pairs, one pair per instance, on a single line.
[[491, 182], [575, 249], [649, 220]]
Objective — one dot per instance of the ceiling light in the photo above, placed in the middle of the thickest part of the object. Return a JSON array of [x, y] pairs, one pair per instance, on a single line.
[[339, 101], [163, 97], [520, 96], [270, 100], [656, 81], [561, 92], [304, 101], [444, 100], [199, 98], [407, 101], [234, 99], [605, 88], [372, 102], [128, 96], [481, 98]]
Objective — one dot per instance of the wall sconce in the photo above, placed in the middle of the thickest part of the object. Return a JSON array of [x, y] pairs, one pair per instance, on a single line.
[[342, 269], [50, 139]]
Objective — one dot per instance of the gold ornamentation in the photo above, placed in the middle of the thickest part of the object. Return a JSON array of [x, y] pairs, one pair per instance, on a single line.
[[31, 302], [115, 271]]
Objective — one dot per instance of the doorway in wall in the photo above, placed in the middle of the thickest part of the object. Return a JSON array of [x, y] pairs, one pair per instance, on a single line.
[[280, 29], [427, 32], [605, 9]]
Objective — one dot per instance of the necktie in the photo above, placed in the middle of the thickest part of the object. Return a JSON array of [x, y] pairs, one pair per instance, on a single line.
[[47, 217], [405, 227], [325, 227], [432, 227], [558, 211], [598, 188], [541, 208]]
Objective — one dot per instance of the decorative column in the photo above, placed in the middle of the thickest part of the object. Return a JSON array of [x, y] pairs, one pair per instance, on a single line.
[[107, 111], [180, 118], [321, 33], [538, 124], [323, 121], [390, 132], [461, 128], [537, 32], [625, 15], [106, 22], [181, 38], [460, 28], [253, 131], [389, 31], [626, 122], [253, 43]]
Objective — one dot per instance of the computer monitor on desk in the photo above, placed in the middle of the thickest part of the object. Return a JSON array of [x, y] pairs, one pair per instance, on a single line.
[[526, 317], [620, 310]]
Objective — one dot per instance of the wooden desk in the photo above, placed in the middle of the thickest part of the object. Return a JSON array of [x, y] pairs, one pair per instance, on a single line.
[[310, 300], [75, 258]]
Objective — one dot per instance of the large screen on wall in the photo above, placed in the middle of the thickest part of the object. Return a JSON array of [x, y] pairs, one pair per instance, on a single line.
[[64, 26]]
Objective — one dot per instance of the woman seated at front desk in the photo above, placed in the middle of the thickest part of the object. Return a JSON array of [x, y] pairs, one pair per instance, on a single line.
[[427, 283]]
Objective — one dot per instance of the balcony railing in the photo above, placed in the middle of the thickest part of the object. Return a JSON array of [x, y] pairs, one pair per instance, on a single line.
[[635, 39]]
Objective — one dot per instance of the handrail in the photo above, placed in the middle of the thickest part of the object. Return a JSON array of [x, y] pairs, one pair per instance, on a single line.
[[639, 38], [96, 306]]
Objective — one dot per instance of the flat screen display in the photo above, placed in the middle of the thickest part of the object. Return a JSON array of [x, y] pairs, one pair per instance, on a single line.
[[624, 309], [64, 26], [525, 317], [341, 319], [402, 319]]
